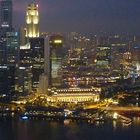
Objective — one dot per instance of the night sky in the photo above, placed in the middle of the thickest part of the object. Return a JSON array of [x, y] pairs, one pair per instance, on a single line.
[[85, 16]]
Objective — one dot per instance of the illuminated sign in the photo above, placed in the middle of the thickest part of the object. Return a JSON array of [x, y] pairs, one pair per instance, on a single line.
[[58, 41], [24, 118], [25, 47], [22, 68]]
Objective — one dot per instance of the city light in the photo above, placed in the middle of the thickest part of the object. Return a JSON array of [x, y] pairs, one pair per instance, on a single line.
[[54, 81], [57, 41]]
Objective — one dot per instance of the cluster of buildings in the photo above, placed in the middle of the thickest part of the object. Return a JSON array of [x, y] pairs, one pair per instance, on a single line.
[[101, 59], [31, 62], [28, 60], [65, 66]]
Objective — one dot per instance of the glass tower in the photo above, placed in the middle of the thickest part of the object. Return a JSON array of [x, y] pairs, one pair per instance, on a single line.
[[55, 58]]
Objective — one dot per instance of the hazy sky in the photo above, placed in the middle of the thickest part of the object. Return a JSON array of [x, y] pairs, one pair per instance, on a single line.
[[83, 15]]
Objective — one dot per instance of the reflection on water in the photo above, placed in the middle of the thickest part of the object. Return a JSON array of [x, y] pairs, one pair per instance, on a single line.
[[114, 124], [45, 130], [136, 120]]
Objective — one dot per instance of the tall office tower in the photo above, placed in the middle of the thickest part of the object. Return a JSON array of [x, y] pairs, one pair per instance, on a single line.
[[12, 45], [55, 58], [32, 21], [25, 69], [3, 80], [44, 78], [31, 64], [5, 26], [24, 81], [37, 59], [6, 15], [12, 54], [3, 53], [8, 47], [7, 82]]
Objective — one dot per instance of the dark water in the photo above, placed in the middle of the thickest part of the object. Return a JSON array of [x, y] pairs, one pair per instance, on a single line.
[[44, 130]]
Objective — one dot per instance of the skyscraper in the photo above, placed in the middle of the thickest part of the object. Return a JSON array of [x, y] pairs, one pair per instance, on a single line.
[[7, 82], [3, 53], [6, 15], [12, 48], [103, 54], [37, 59], [32, 21], [5, 26], [8, 49], [55, 60]]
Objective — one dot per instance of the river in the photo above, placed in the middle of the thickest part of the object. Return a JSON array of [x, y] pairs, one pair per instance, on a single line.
[[45, 130]]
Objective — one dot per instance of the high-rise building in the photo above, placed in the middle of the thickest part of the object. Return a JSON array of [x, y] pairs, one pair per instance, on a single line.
[[8, 59], [37, 59], [6, 15], [3, 80], [3, 52], [8, 50], [24, 80], [103, 55], [12, 47], [55, 60], [31, 64], [25, 69], [5, 26], [7, 81], [32, 21]]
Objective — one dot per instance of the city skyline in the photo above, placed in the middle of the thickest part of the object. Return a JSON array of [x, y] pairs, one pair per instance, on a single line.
[[77, 77], [83, 16]]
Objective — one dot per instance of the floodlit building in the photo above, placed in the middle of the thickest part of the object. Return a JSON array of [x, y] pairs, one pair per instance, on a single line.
[[32, 21], [76, 94]]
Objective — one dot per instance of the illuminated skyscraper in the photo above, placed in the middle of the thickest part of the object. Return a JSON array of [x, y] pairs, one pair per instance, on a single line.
[[32, 21]]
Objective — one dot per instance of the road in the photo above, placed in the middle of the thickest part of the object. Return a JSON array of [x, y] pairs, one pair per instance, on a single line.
[[115, 108]]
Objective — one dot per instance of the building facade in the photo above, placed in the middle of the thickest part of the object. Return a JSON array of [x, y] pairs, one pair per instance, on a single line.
[[55, 58]]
